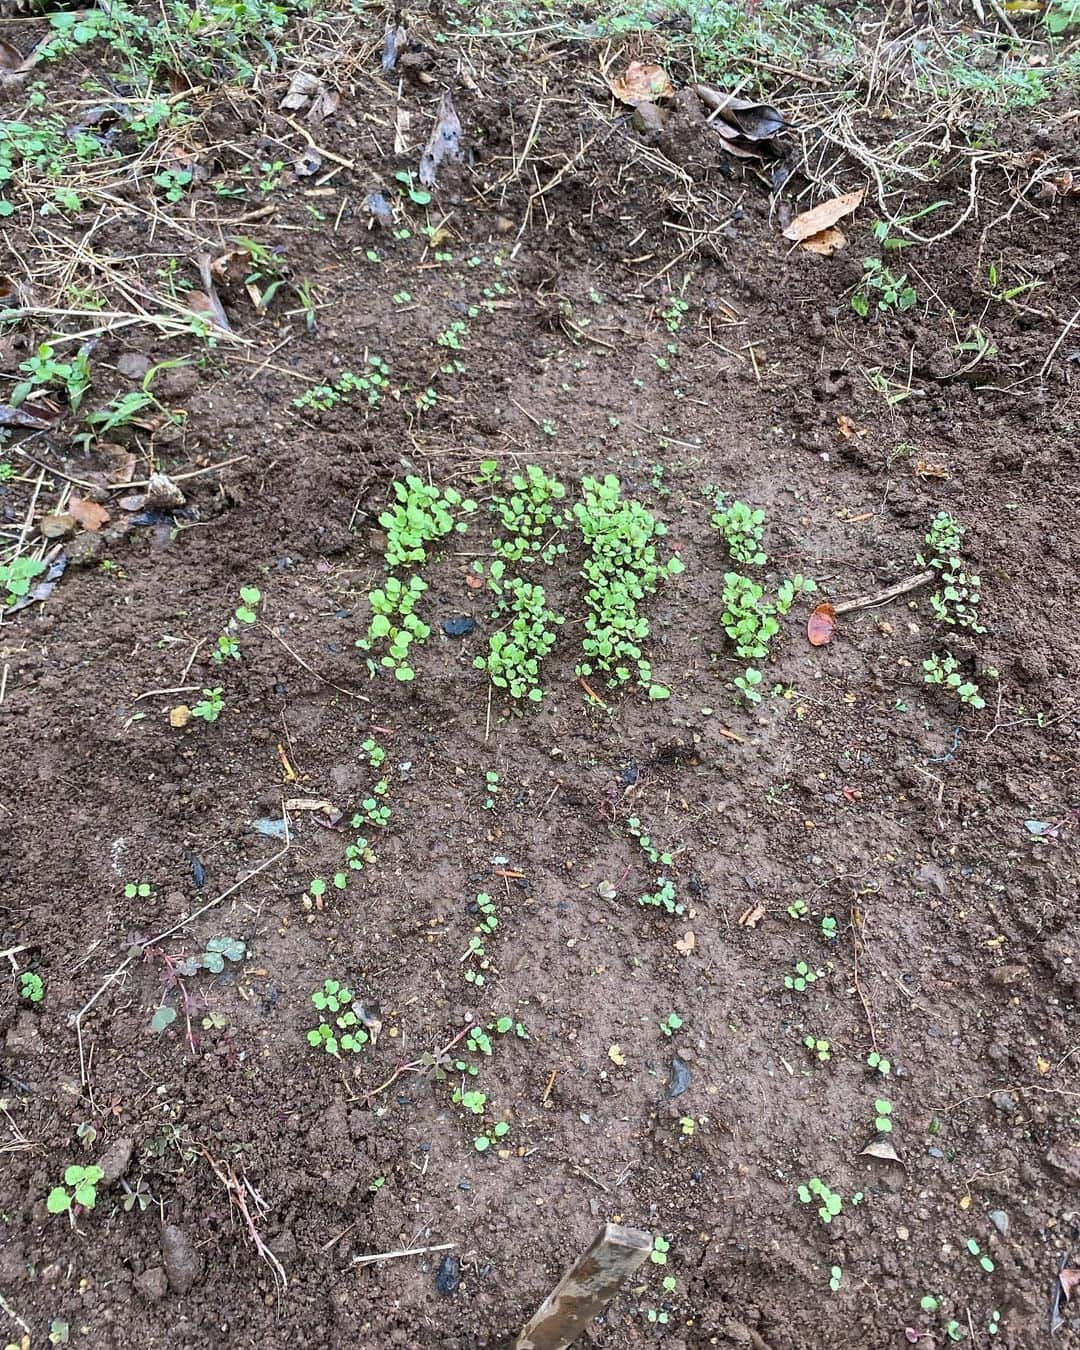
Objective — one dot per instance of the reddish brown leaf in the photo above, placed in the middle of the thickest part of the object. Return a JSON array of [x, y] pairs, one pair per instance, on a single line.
[[10, 57], [641, 82], [474, 583], [825, 242], [822, 625], [1070, 1282], [822, 216], [87, 515]]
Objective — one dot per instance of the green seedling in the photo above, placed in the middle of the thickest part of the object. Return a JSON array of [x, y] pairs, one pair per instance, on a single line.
[[984, 1261], [883, 1119], [748, 618], [44, 372], [660, 1248], [394, 621], [532, 518], [482, 1142], [620, 570], [516, 650], [956, 604], [137, 890], [671, 1024], [831, 1201], [375, 1185], [943, 671], [173, 183], [742, 528], [79, 1189], [31, 987], [344, 1031], [819, 1048], [748, 684], [491, 787], [802, 976], [16, 575], [798, 909], [664, 897], [245, 613], [881, 286], [421, 515], [828, 928], [675, 312], [836, 1274], [879, 1063], [210, 706]]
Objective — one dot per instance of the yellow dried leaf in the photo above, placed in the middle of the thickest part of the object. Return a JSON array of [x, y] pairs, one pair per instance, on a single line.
[[1043, 1065], [965, 1202], [825, 242], [616, 1055]]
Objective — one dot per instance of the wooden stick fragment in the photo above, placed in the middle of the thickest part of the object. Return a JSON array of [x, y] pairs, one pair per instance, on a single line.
[[586, 1289], [889, 593]]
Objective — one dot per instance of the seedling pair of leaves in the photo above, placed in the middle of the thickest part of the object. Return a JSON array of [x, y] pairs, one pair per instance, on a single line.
[[345, 1032], [79, 1189]]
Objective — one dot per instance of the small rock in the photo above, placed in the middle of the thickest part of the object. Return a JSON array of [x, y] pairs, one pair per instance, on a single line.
[[182, 1263], [162, 493], [377, 206], [179, 716], [1004, 977], [56, 527], [133, 365], [24, 1037], [1005, 1102], [85, 549], [114, 1161], [931, 875], [448, 1276], [153, 1284], [1065, 1159], [1000, 1220], [648, 119], [679, 1079], [458, 626]]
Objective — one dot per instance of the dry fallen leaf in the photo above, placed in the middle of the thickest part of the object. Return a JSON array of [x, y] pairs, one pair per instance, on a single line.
[[752, 916], [822, 216], [86, 514], [304, 86], [825, 242], [1070, 1282], [821, 626], [848, 429], [685, 944], [616, 1055], [924, 468], [443, 143], [965, 1202], [179, 716], [881, 1148], [641, 82], [474, 583]]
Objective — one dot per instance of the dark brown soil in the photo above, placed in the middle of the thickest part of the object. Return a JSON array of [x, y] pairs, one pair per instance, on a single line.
[[855, 788]]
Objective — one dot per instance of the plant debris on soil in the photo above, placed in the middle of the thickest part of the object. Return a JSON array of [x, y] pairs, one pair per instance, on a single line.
[[538, 672]]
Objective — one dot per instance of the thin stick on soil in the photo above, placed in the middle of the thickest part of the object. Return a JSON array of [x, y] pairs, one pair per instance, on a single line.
[[13, 1314], [76, 1019], [361, 698], [1054, 349], [407, 1251], [883, 597], [855, 979], [176, 689]]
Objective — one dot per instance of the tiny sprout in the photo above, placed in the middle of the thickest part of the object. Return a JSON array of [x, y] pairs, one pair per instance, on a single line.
[[928, 1303], [798, 909], [671, 1024], [828, 928], [31, 987], [818, 1047], [883, 1121], [687, 1124], [660, 1249], [879, 1062], [835, 1276]]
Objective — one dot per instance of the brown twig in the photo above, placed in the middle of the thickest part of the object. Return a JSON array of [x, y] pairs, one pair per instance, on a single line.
[[883, 597], [236, 1195], [361, 698]]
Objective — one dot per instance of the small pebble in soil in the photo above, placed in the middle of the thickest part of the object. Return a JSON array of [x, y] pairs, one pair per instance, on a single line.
[[1000, 1220], [458, 626], [448, 1276], [679, 1079], [1005, 1102]]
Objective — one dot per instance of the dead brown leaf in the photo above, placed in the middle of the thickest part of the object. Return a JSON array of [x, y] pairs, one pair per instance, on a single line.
[[685, 944], [1070, 1282], [303, 87], [87, 515], [641, 82], [847, 428], [751, 917], [821, 626], [229, 265], [924, 468], [824, 215], [883, 1150], [325, 104], [10, 57], [825, 243]]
